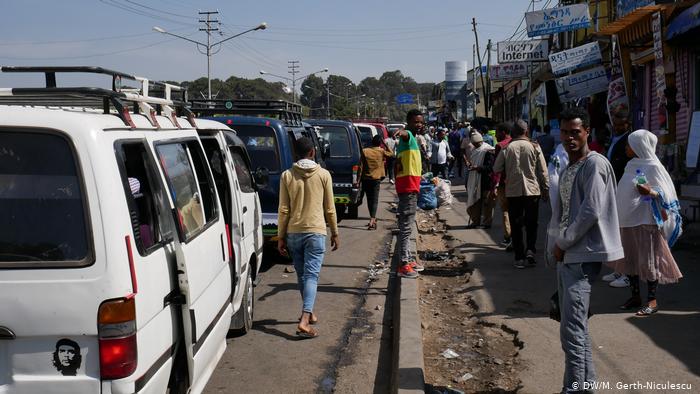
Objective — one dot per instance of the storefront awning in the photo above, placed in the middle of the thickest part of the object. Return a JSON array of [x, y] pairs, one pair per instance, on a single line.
[[684, 22], [630, 19]]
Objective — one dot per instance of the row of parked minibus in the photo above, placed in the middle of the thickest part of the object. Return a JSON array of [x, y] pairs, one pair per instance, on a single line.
[[132, 226]]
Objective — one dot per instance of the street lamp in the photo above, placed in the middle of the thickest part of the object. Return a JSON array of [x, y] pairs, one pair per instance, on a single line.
[[208, 46], [293, 80]]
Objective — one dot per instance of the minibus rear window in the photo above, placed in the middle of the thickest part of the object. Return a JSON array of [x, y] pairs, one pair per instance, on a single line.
[[339, 141], [42, 208], [261, 143]]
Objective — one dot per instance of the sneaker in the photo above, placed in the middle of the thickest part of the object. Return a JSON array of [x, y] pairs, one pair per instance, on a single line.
[[509, 247], [505, 242], [417, 266], [392, 181], [519, 264], [531, 262], [406, 271], [622, 281], [611, 276]]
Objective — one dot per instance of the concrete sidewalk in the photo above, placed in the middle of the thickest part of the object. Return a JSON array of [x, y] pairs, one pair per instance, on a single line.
[[662, 348]]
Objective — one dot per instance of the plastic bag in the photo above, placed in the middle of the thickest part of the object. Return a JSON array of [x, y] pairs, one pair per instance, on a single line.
[[426, 198], [444, 192]]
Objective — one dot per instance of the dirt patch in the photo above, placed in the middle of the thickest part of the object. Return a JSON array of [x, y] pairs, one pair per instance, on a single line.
[[462, 353]]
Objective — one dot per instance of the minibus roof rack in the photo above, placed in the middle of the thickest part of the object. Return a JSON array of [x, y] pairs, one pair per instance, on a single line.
[[287, 112], [117, 97]]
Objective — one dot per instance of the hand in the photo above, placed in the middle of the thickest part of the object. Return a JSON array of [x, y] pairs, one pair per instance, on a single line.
[[558, 253], [282, 247], [644, 190], [335, 242]]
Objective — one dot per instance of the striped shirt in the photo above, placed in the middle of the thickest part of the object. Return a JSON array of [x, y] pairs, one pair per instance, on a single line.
[[409, 160]]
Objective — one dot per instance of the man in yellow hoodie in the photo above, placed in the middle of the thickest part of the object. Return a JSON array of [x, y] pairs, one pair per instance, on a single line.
[[306, 207]]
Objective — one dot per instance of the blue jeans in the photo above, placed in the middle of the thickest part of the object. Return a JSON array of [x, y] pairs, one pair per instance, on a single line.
[[575, 281], [407, 216], [306, 251]]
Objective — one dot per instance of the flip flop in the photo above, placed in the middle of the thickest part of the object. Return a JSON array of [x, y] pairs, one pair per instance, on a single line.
[[646, 311], [311, 333]]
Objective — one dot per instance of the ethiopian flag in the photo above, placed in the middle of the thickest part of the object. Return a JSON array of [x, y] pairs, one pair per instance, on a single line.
[[408, 156]]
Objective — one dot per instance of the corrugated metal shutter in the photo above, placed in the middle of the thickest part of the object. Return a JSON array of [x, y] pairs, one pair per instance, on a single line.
[[683, 95]]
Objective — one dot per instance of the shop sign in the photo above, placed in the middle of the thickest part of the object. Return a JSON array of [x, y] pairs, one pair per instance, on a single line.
[[523, 51], [618, 100], [541, 95], [582, 84], [510, 71], [624, 7], [557, 20], [659, 71], [574, 58]]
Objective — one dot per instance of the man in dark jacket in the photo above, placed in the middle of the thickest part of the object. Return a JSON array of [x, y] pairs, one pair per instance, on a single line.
[[616, 152]]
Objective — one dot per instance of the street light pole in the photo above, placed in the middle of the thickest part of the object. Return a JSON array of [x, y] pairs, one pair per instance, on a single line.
[[208, 45], [293, 81]]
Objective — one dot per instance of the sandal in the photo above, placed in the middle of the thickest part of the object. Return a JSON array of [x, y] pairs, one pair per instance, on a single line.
[[631, 303], [307, 334], [647, 311]]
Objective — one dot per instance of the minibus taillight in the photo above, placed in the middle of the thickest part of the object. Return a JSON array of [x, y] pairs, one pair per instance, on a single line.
[[117, 335], [355, 177]]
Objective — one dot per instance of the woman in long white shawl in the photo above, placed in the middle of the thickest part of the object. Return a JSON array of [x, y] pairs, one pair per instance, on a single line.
[[650, 222]]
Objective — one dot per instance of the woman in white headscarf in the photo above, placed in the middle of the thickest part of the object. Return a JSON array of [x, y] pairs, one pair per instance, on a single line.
[[650, 222]]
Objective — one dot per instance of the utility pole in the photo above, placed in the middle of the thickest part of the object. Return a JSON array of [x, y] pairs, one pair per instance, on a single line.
[[478, 54], [208, 29], [328, 98], [293, 69], [488, 79]]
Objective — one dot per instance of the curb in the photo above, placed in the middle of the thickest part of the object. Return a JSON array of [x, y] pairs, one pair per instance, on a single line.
[[407, 371]]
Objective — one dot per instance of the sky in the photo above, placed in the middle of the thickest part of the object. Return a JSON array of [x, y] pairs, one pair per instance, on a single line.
[[357, 39]]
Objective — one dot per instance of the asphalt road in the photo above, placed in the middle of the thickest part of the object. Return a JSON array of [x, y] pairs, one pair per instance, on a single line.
[[353, 351]]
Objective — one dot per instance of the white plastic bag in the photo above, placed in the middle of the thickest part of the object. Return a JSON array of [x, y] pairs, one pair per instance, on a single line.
[[444, 192]]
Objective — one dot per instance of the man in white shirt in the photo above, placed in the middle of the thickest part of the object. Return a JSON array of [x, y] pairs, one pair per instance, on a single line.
[[440, 155]]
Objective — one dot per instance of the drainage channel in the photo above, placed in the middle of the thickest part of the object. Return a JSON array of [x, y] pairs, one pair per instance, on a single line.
[[360, 327]]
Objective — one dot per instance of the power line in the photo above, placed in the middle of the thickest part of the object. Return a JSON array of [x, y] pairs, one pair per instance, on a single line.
[[189, 17], [364, 49], [81, 40], [114, 3], [89, 56]]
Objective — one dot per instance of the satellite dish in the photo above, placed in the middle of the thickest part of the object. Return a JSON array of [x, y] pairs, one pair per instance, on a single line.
[[287, 90]]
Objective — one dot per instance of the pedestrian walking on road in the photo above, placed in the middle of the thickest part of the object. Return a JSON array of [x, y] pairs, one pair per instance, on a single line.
[[372, 176], [306, 206], [455, 140], [390, 143], [481, 197], [440, 155], [526, 183], [503, 131], [618, 159], [650, 222], [408, 176], [589, 236]]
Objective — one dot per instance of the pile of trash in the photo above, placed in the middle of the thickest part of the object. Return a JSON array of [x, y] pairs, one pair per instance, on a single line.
[[434, 192], [376, 269]]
